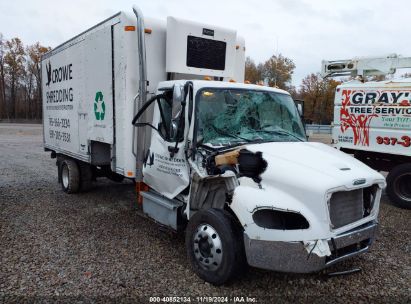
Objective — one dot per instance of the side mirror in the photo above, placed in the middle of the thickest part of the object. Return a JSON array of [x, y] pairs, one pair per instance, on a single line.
[[173, 129], [300, 109], [300, 106], [178, 93]]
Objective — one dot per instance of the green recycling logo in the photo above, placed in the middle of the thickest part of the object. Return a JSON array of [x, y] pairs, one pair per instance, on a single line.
[[99, 106]]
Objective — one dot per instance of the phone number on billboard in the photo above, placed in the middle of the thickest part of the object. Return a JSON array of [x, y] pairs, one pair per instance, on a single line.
[[404, 141]]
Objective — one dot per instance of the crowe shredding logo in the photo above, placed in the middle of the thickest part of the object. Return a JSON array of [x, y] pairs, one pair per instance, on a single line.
[[99, 106], [59, 83], [59, 74]]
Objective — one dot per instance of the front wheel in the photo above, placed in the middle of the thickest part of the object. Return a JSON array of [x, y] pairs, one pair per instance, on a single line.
[[214, 246], [399, 185]]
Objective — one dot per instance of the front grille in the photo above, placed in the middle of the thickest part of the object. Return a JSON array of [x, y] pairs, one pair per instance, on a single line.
[[346, 207]]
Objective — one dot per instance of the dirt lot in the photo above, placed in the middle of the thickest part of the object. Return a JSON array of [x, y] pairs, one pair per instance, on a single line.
[[93, 247]]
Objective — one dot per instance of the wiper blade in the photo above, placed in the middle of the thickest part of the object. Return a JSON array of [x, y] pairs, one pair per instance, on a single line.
[[281, 132], [221, 132]]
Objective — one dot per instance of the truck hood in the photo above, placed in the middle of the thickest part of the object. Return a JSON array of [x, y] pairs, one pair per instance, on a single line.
[[301, 177], [313, 166]]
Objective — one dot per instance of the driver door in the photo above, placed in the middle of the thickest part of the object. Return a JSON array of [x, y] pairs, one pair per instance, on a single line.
[[165, 168]]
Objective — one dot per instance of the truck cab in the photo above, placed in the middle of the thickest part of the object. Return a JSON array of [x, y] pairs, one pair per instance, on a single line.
[[230, 164]]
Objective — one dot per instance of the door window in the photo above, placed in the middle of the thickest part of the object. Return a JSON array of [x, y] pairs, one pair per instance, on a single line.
[[170, 115]]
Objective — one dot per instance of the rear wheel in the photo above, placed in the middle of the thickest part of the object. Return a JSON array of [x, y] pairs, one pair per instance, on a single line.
[[70, 176], [214, 246], [399, 185]]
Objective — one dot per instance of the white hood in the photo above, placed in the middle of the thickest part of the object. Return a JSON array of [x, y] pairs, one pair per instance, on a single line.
[[313, 166], [300, 177]]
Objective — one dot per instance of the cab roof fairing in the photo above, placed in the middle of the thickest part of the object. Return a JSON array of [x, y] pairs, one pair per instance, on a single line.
[[201, 84]]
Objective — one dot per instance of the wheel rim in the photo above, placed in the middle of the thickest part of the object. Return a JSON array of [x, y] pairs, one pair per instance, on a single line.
[[402, 186], [208, 249], [65, 176]]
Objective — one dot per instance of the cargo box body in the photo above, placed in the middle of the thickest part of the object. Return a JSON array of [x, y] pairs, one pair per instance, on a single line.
[[374, 117], [91, 82], [88, 87]]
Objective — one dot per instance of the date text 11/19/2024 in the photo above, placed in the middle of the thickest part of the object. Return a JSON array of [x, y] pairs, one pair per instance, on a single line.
[[203, 299]]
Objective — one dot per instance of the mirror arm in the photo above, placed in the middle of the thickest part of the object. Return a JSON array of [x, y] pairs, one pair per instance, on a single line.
[[144, 108], [144, 124]]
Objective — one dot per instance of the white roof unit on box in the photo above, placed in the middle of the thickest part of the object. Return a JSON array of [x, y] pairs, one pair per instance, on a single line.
[[199, 49]]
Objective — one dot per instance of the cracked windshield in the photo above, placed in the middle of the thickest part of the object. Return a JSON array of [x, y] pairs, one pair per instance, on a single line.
[[230, 117]]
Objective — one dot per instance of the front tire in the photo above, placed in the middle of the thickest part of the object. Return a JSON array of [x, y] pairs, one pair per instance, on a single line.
[[399, 185], [214, 245], [70, 176]]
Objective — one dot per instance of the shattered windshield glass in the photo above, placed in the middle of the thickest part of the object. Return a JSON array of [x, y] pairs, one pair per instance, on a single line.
[[234, 116]]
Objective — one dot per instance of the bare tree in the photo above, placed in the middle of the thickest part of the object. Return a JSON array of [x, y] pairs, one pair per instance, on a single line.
[[2, 80], [318, 94], [278, 70], [35, 52], [14, 67], [252, 71], [28, 89]]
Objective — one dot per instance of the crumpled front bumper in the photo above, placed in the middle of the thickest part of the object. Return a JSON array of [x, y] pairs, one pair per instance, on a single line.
[[293, 257]]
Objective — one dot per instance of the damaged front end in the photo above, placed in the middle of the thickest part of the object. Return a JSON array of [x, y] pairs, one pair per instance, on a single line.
[[214, 181], [250, 157], [309, 256], [282, 230]]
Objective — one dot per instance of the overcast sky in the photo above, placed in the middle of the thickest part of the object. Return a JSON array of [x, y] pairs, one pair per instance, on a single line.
[[305, 31]]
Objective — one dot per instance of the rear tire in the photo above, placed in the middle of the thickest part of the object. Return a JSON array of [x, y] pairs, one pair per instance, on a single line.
[[70, 176], [399, 185], [215, 246]]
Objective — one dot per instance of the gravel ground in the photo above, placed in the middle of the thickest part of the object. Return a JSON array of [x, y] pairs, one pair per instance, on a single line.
[[93, 247]]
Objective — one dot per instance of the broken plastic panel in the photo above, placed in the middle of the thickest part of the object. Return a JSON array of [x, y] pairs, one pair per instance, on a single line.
[[239, 161], [251, 164]]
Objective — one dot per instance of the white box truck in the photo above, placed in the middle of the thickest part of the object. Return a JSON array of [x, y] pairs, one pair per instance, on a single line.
[[372, 120], [224, 161]]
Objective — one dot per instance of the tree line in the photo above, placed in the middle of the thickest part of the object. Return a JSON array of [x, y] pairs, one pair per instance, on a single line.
[[20, 79], [21, 95]]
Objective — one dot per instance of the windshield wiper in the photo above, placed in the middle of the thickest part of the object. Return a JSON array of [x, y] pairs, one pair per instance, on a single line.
[[221, 132], [284, 132]]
